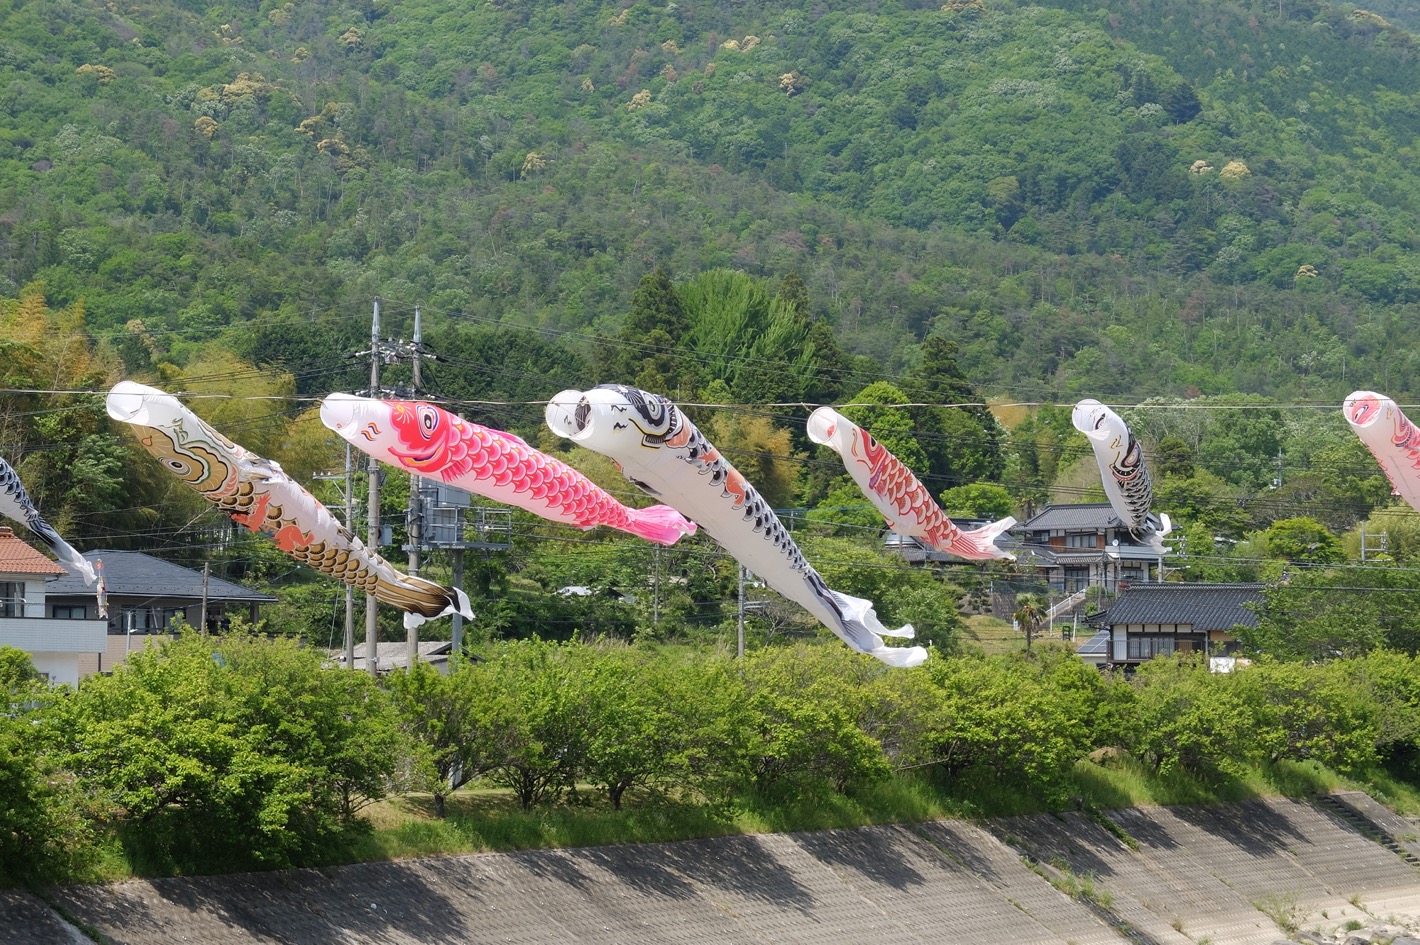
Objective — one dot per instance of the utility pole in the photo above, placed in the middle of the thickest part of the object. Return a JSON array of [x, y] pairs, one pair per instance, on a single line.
[[1373, 544], [349, 591], [656, 587], [415, 510], [740, 647], [349, 477], [206, 571], [372, 616], [391, 352]]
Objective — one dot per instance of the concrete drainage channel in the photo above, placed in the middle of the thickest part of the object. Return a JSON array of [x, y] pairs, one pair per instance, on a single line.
[[1259, 872]]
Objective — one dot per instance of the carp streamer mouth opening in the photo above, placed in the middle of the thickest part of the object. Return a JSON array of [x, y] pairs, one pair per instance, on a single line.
[[127, 402], [569, 414]]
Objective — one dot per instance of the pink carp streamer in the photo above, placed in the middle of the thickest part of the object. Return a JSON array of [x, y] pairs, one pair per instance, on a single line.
[[1392, 439], [257, 494], [898, 494], [429, 441]]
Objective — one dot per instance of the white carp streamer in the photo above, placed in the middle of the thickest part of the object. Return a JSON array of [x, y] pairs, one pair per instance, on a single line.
[[661, 452], [15, 503], [1126, 478]]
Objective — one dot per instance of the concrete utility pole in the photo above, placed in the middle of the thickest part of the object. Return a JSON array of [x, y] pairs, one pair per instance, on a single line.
[[348, 476], [372, 616], [391, 352], [415, 510], [740, 643], [206, 574], [349, 591]]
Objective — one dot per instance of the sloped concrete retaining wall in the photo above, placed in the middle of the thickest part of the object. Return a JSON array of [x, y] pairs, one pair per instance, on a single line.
[[1220, 875]]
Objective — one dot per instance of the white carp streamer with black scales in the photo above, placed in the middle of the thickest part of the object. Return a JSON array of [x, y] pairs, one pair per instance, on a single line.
[[663, 453]]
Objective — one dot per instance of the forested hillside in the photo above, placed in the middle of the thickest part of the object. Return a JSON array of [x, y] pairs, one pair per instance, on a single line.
[[1159, 204], [1150, 200]]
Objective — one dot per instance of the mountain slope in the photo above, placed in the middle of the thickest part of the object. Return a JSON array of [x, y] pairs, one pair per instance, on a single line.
[[1023, 179]]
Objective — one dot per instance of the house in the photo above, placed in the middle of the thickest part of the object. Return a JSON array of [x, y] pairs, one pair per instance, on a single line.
[[57, 638], [1149, 620], [146, 596], [1084, 545]]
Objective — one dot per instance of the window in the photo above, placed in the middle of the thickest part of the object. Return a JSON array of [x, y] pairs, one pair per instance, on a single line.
[[1081, 540], [68, 612], [12, 599], [1146, 648], [1076, 579]]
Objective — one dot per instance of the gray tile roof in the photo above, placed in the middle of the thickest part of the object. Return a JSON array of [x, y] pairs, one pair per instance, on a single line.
[[1084, 516], [1204, 606], [135, 574]]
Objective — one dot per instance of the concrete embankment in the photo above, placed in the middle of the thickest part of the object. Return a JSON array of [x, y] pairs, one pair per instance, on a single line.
[[1228, 875]]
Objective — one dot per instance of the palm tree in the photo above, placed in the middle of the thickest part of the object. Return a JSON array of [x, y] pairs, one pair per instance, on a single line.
[[1031, 611]]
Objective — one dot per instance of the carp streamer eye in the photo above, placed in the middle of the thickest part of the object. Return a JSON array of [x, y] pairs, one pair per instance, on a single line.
[[582, 414], [428, 420]]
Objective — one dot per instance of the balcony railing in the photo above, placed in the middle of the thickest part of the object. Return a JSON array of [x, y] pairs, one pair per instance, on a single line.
[[52, 635]]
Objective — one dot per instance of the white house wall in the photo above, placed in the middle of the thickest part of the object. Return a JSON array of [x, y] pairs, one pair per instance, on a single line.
[[62, 669]]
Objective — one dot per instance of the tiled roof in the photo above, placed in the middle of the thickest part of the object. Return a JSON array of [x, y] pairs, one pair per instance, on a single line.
[[135, 574], [16, 557], [1084, 516], [1204, 606]]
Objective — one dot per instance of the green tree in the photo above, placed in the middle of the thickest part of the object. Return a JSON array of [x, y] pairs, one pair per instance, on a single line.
[[534, 714], [648, 352], [1030, 612], [962, 439], [804, 735], [656, 721], [437, 713], [47, 819], [1186, 717], [978, 500], [1337, 613], [241, 751], [1310, 712], [1388, 683], [1302, 540], [1007, 720]]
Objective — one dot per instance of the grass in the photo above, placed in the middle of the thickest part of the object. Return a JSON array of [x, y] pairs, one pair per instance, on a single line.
[[487, 819], [995, 636], [1283, 910], [483, 819]]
